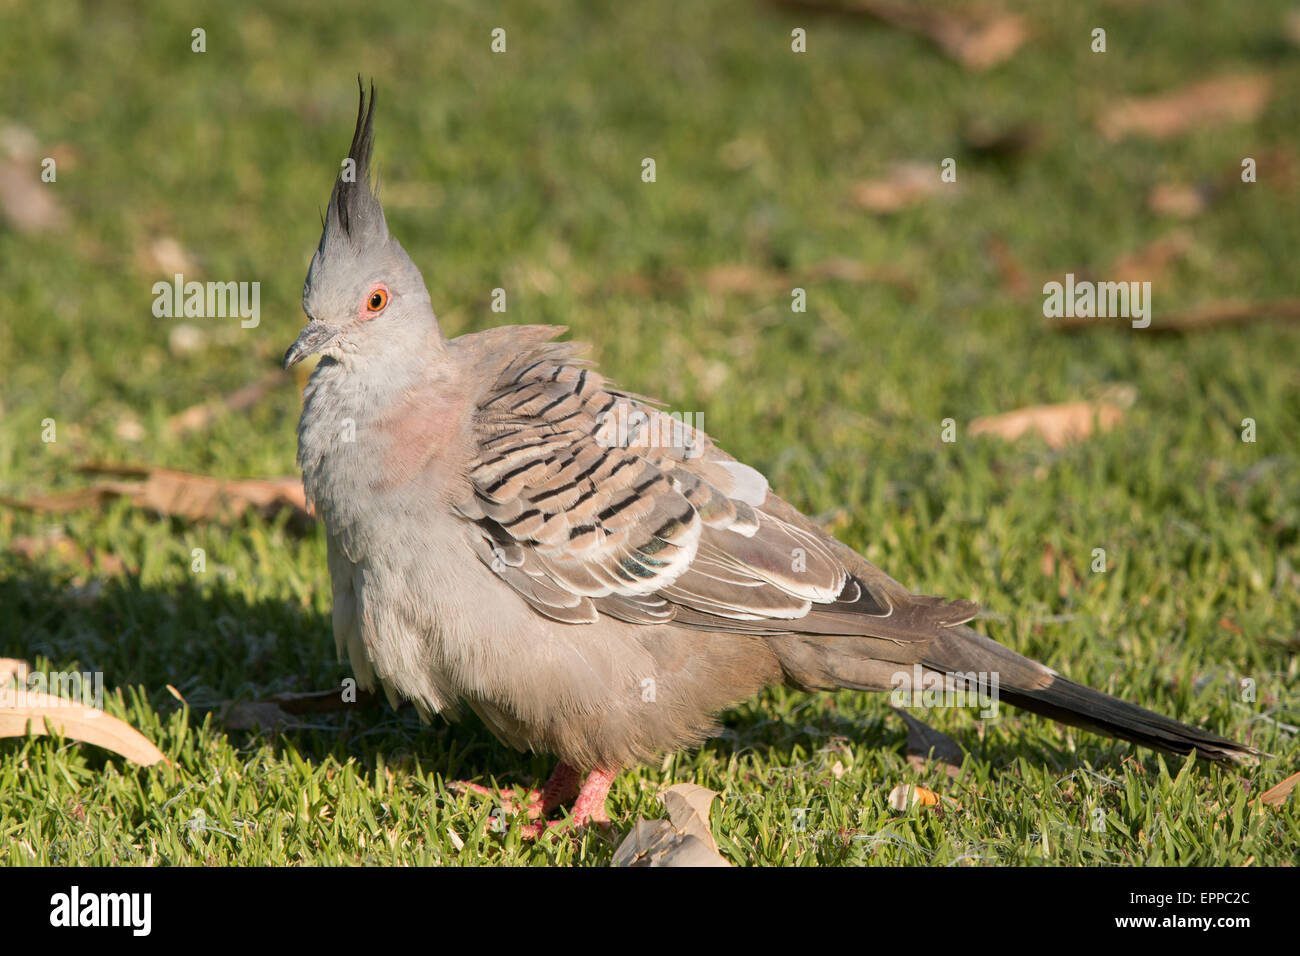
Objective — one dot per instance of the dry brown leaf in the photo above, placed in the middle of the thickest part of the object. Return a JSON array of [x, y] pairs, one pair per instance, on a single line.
[[925, 743], [39, 711], [907, 795], [739, 279], [977, 41], [34, 547], [1178, 200], [205, 413], [26, 202], [904, 186], [179, 494], [1276, 796], [1065, 571], [165, 254], [1059, 425], [1150, 262], [12, 669], [1206, 316], [684, 839], [1009, 268], [1235, 98]]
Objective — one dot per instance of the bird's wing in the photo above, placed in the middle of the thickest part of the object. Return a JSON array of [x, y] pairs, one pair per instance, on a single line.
[[589, 501]]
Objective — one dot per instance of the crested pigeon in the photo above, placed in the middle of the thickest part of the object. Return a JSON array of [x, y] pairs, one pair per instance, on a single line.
[[511, 534]]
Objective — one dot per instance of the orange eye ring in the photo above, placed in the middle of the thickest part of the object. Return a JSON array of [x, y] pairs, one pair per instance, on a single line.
[[378, 300]]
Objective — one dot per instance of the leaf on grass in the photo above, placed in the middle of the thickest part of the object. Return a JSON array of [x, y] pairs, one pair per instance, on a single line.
[[165, 254], [925, 743], [179, 494], [905, 185], [1208, 315], [1011, 272], [742, 279], [26, 202], [1059, 425], [907, 795], [684, 839], [1236, 98], [35, 547], [12, 669], [1151, 261], [205, 413], [978, 41], [1276, 796], [1179, 200], [43, 712], [1234, 312]]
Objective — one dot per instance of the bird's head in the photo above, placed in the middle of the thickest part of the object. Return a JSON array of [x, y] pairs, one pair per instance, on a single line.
[[364, 297]]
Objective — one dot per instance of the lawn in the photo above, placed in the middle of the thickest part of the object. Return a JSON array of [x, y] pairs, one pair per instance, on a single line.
[[523, 171]]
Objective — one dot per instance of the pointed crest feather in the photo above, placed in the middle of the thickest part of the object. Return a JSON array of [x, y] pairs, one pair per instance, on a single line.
[[354, 210]]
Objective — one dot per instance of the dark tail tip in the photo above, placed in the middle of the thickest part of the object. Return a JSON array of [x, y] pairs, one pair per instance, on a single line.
[[1080, 706]]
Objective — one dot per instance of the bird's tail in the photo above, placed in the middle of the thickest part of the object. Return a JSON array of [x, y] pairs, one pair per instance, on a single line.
[[1025, 683]]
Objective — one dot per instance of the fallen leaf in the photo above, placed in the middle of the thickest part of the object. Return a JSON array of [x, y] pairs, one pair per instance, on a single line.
[[1149, 263], [165, 254], [205, 413], [186, 339], [925, 743], [42, 713], [179, 494], [26, 202], [907, 795], [1235, 98], [1065, 572], [740, 279], [684, 839], [1059, 425], [1178, 200], [67, 551], [12, 669], [1206, 316], [978, 41], [905, 185], [1276, 796], [1012, 273]]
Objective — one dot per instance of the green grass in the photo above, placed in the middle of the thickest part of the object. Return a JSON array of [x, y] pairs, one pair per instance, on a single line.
[[523, 171]]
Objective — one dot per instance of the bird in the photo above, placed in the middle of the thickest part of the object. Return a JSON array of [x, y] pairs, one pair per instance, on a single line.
[[510, 534]]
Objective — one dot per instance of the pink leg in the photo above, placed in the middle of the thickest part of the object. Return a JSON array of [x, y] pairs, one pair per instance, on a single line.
[[562, 786], [590, 805], [589, 808]]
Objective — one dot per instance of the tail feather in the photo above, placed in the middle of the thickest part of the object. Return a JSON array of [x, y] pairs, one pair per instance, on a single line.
[[1025, 683]]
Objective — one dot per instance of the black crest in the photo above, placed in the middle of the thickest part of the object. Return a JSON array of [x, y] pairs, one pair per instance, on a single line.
[[354, 210]]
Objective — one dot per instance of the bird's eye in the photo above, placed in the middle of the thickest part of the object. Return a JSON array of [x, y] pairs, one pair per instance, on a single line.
[[378, 299]]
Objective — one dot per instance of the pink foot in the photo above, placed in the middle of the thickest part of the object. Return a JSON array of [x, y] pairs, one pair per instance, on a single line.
[[561, 786], [588, 809]]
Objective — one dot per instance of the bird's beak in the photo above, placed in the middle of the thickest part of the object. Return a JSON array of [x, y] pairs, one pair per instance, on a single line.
[[316, 337]]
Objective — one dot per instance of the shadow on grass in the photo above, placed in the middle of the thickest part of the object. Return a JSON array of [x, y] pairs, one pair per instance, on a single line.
[[215, 646]]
